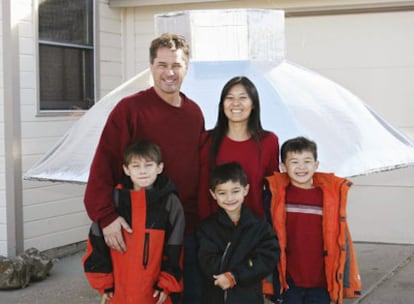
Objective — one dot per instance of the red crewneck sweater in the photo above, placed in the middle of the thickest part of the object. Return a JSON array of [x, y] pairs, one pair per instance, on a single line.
[[256, 163], [176, 130], [304, 256]]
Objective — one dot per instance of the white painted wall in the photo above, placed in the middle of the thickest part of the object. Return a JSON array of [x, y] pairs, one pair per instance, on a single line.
[[3, 231], [346, 48], [370, 54], [381, 207], [54, 213], [109, 48], [44, 204], [373, 56]]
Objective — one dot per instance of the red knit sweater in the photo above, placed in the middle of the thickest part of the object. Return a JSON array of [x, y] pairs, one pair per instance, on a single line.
[[145, 115], [257, 164], [304, 255]]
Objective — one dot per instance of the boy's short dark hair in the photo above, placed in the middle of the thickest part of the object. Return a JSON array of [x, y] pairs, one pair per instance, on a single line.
[[226, 172], [142, 148], [298, 144]]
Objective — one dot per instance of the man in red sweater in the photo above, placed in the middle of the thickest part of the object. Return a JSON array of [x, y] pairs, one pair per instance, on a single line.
[[161, 114]]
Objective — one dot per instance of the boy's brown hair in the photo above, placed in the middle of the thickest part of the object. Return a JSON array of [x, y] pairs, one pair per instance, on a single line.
[[142, 148], [226, 172], [298, 144]]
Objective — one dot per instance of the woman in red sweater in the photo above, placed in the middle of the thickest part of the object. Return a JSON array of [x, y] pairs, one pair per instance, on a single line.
[[238, 136]]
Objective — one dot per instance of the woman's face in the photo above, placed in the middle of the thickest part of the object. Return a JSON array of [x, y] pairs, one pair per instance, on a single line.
[[237, 104]]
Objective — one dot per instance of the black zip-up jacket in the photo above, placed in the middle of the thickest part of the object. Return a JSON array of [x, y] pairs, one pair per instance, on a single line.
[[249, 250]]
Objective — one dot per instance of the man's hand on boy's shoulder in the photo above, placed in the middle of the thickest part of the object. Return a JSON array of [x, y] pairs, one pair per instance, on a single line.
[[113, 234]]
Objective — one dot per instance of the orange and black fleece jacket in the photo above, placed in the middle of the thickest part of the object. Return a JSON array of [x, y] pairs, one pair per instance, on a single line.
[[154, 249]]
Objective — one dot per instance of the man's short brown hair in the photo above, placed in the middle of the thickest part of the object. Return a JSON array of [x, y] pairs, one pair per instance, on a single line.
[[171, 41]]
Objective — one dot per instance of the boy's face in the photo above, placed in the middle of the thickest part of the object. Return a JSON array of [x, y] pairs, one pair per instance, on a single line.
[[143, 172], [300, 166], [230, 196]]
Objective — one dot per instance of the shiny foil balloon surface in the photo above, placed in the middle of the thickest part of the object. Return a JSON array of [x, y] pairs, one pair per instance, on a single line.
[[352, 139]]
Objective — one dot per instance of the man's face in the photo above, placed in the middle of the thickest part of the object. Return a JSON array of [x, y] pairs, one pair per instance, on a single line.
[[168, 71]]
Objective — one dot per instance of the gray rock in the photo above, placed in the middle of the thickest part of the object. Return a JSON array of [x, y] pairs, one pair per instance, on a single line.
[[41, 264], [29, 266], [14, 273]]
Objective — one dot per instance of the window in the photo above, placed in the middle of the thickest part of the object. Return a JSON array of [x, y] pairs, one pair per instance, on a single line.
[[66, 55]]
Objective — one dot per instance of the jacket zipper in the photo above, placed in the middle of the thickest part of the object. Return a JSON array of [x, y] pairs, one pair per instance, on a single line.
[[338, 270], [226, 251], [145, 255]]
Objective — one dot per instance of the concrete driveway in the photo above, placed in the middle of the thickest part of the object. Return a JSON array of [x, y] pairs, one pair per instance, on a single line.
[[387, 273]]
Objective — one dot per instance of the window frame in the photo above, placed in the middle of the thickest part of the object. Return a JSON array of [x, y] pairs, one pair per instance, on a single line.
[[45, 42]]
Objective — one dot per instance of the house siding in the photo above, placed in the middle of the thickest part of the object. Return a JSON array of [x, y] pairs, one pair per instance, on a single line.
[[109, 47], [372, 55], [3, 223], [37, 136], [369, 53], [54, 213]]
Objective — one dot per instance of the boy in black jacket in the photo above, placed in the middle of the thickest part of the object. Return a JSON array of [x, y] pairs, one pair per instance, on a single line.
[[237, 249]]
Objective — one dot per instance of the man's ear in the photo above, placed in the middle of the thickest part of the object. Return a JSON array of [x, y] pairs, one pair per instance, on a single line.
[[283, 167]]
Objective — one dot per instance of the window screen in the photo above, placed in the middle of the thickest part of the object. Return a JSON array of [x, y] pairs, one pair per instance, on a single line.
[[66, 54]]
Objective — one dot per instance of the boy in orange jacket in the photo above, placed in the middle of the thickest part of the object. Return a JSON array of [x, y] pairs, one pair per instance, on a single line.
[[150, 270], [308, 212]]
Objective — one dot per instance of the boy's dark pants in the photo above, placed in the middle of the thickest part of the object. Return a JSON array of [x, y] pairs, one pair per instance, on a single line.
[[299, 295]]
